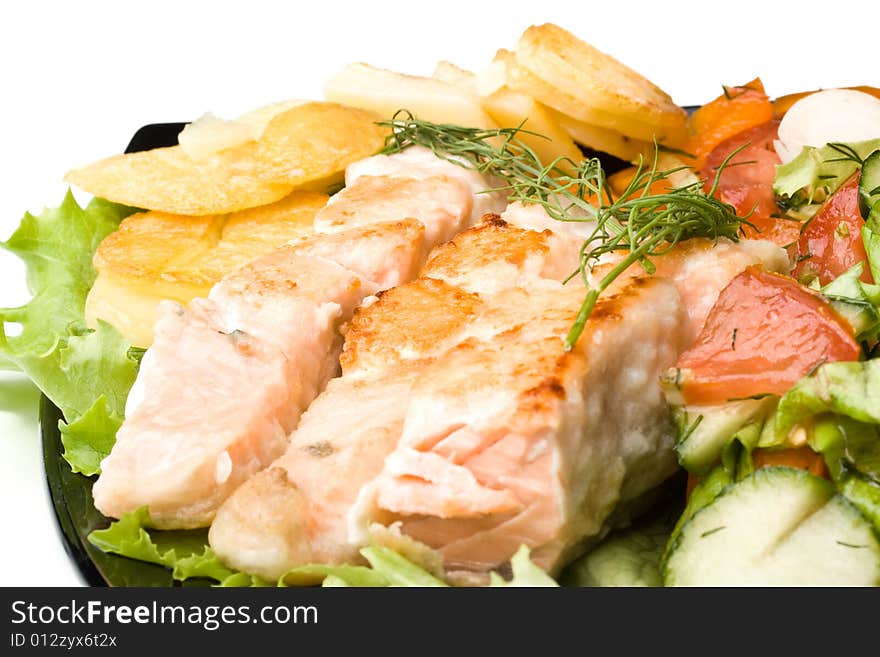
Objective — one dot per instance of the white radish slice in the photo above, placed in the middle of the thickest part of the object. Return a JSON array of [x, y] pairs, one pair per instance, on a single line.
[[835, 115]]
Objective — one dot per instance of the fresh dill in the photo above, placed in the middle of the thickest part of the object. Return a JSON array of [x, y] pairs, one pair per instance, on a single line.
[[847, 154], [640, 223]]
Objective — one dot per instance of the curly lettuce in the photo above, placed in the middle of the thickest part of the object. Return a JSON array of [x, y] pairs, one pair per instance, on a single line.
[[822, 169], [841, 401], [188, 555], [86, 373]]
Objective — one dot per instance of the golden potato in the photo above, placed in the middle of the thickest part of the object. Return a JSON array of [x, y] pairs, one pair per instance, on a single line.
[[157, 255], [576, 79], [299, 147], [455, 75], [510, 108], [169, 180], [386, 92], [313, 141], [603, 139]]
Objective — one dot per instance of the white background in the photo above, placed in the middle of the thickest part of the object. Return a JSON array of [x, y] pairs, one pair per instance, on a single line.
[[78, 78]]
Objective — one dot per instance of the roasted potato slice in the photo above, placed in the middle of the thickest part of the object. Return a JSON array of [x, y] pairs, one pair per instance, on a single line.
[[603, 139], [511, 109], [299, 146], [576, 79], [157, 255], [386, 92], [455, 75]]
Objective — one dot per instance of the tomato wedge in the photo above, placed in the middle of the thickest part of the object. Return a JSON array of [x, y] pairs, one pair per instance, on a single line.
[[737, 109], [831, 242], [746, 182], [764, 333]]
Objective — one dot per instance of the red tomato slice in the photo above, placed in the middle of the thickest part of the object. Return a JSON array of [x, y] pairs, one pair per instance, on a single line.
[[831, 242], [746, 182], [764, 333]]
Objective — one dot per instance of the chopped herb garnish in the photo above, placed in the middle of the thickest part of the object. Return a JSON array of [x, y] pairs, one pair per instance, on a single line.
[[638, 223]]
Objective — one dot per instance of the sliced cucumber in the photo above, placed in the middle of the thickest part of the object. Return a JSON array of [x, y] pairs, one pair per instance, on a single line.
[[626, 558], [700, 443], [869, 182], [777, 527]]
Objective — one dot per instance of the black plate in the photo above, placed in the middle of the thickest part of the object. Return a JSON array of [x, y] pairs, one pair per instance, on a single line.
[[71, 493]]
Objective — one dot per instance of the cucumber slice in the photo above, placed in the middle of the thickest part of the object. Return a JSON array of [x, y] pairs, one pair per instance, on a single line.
[[699, 446], [869, 182], [627, 558], [777, 527]]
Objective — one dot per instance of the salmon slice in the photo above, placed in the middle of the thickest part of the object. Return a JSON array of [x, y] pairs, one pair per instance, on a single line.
[[511, 440], [344, 437], [386, 254], [228, 377], [217, 393], [419, 162], [381, 198]]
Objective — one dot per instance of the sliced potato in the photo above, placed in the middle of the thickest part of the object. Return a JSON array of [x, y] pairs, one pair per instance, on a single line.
[[305, 144], [386, 92], [455, 75], [495, 75], [260, 117], [248, 234], [603, 139], [510, 108], [210, 134], [169, 180], [310, 142], [157, 255], [526, 82], [574, 78]]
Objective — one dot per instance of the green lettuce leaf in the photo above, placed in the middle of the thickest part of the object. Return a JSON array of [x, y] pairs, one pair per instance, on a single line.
[[871, 240], [525, 573], [86, 373], [842, 402], [855, 300], [852, 452], [89, 438], [343, 575], [815, 169], [97, 363], [188, 555], [851, 389], [130, 538], [398, 570]]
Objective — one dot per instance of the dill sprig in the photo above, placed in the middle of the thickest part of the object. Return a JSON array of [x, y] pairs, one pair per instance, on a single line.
[[639, 222]]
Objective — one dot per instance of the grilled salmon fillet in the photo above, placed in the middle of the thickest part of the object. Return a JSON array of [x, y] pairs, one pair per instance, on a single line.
[[296, 511], [228, 377], [512, 440], [461, 421]]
